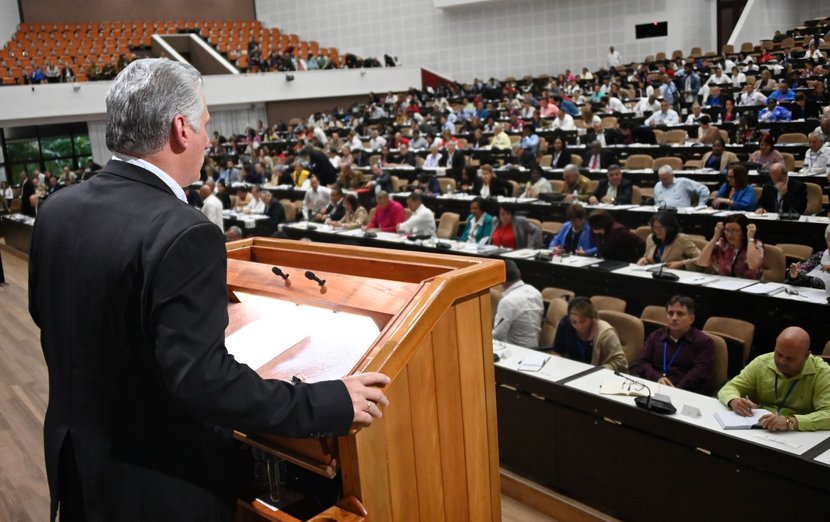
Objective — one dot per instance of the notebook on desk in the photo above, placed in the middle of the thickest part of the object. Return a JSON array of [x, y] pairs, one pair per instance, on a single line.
[[729, 420], [608, 265]]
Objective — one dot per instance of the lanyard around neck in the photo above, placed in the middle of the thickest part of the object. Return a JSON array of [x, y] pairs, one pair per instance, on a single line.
[[781, 405], [667, 367]]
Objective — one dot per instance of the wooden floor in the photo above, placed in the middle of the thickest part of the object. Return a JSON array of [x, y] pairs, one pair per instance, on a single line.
[[24, 495]]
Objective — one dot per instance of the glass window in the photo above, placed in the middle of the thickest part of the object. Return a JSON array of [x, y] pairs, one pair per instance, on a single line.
[[82, 147], [55, 167], [56, 147], [22, 150]]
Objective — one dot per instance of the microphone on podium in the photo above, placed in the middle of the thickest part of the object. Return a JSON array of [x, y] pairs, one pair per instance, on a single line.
[[283, 275], [322, 282]]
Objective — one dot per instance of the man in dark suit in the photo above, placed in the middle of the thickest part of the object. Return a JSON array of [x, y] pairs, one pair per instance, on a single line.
[[334, 211], [492, 185], [405, 156], [604, 136], [782, 194], [27, 190], [522, 157], [274, 211], [127, 284], [614, 190], [597, 158], [453, 161], [319, 165]]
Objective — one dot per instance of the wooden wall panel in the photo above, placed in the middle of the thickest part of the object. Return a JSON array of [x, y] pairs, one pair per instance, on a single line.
[[400, 451], [373, 472], [103, 10], [428, 449], [450, 418], [476, 444], [486, 314]]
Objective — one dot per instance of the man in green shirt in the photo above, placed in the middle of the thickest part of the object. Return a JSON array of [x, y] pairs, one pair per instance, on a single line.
[[790, 382]]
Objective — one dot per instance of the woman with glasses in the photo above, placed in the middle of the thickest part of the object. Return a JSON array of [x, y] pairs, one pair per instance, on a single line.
[[733, 250], [736, 193], [666, 244]]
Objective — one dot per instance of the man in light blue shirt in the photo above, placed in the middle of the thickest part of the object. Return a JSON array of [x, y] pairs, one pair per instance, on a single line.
[[677, 192], [668, 90], [530, 140], [665, 116]]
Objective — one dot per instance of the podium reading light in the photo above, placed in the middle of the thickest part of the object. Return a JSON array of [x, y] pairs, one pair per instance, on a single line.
[[322, 282], [283, 275]]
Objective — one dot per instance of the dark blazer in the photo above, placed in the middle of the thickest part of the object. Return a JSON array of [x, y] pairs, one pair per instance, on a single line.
[[407, 159], [794, 201], [620, 244], [27, 189], [276, 216], [498, 187], [455, 165], [623, 191], [320, 166], [612, 137], [563, 160], [143, 396], [606, 159], [526, 160], [335, 211]]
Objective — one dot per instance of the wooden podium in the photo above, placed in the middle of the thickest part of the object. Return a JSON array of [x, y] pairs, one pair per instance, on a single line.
[[434, 453]]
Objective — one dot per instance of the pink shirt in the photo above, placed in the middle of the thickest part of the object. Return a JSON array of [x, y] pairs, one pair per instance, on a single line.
[[387, 219]]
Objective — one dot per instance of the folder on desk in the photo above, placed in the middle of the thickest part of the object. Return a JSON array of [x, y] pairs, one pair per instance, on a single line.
[[729, 420], [608, 265]]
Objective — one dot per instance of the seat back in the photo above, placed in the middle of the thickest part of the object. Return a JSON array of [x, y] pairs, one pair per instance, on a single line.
[[535, 222], [448, 226], [551, 227], [289, 209], [675, 136], [557, 309], [495, 296], [576, 159], [639, 161], [643, 232], [636, 195], [653, 317], [446, 184], [516, 188], [659, 136], [795, 252], [629, 329], [789, 161], [792, 137], [546, 160], [814, 195], [607, 302], [775, 264], [672, 161], [720, 371], [826, 350], [550, 293], [737, 329]]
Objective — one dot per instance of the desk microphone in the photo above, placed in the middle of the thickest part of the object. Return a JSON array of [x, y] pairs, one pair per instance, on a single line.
[[283, 275], [665, 276], [648, 403], [322, 282]]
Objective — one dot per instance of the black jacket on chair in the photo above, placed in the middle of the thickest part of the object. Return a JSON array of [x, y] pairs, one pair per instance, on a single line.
[[795, 200], [127, 284]]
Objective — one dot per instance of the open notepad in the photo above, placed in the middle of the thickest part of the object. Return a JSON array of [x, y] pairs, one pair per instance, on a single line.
[[729, 420]]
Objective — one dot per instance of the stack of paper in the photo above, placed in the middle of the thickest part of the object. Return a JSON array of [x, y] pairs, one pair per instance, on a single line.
[[729, 420]]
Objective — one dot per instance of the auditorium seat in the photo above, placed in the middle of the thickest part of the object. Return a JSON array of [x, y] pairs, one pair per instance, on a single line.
[[551, 227], [629, 329], [653, 317], [557, 309], [447, 184], [677, 136], [795, 252], [639, 161], [671, 161], [607, 302], [814, 195], [738, 335], [721, 361], [792, 137], [448, 226], [289, 209], [643, 232], [775, 264], [637, 195], [550, 293]]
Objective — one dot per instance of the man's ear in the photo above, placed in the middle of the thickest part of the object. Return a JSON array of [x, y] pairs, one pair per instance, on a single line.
[[180, 134]]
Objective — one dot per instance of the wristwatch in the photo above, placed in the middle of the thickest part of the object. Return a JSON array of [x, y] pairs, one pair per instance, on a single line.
[[790, 423]]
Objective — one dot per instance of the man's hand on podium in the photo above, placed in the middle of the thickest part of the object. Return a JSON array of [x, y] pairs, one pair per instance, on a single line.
[[367, 397]]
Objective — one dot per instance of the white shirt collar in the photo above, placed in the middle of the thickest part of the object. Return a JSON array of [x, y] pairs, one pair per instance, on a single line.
[[160, 174]]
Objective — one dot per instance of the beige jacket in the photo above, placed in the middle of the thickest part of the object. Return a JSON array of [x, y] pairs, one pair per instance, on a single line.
[[681, 249], [608, 351]]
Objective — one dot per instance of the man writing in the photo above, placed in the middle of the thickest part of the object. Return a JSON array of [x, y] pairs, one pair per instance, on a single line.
[[782, 194], [143, 395], [790, 382]]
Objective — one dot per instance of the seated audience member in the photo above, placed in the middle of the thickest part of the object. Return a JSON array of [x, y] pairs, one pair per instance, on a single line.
[[233, 233], [613, 240], [273, 209], [453, 161], [751, 97], [596, 158], [666, 244], [479, 223], [334, 210], [678, 355], [583, 336], [560, 155], [695, 115], [530, 140], [707, 134], [575, 235], [348, 178], [563, 121], [665, 116], [381, 180], [522, 157], [515, 232], [782, 194], [255, 205], [774, 112], [790, 382], [469, 183], [736, 193], [804, 108], [799, 273], [433, 159], [354, 215], [614, 190], [728, 114], [604, 136], [243, 197], [211, 206], [388, 214], [491, 185], [783, 92], [299, 176], [316, 199], [230, 174], [718, 158], [427, 184], [422, 220], [649, 103], [766, 154], [405, 156], [538, 184], [223, 195], [677, 192], [500, 139], [733, 250], [519, 313], [817, 156], [577, 187]]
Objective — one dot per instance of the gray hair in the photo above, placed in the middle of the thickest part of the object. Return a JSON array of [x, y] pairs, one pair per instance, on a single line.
[[666, 169], [817, 135], [827, 232], [144, 99], [570, 167]]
